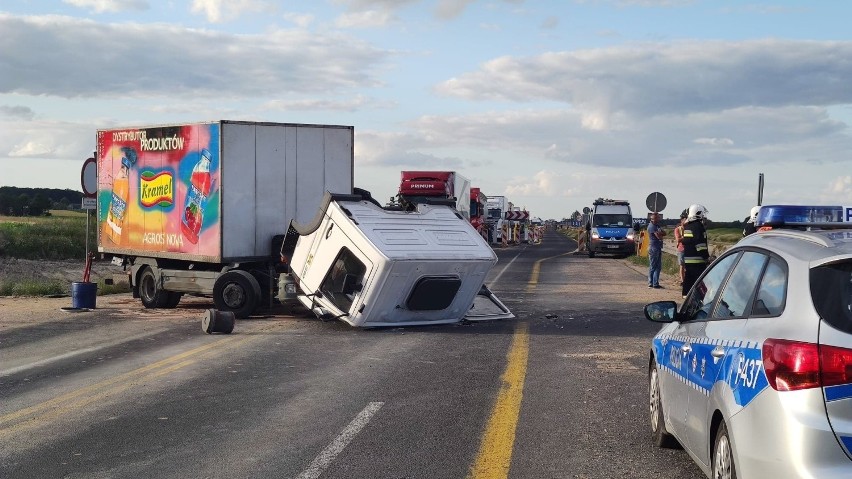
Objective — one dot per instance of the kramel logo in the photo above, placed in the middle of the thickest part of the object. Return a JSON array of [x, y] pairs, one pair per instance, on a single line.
[[156, 189]]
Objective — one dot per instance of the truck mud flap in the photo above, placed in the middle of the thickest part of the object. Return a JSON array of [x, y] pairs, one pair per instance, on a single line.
[[487, 307]]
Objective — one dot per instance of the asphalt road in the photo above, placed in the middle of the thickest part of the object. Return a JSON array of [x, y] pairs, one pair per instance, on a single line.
[[558, 392]]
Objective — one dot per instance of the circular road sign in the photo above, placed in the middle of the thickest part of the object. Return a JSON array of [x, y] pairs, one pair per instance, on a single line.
[[89, 178], [656, 202], [586, 210]]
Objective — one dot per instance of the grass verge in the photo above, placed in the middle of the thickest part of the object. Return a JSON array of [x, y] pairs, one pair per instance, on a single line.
[[670, 265], [55, 288]]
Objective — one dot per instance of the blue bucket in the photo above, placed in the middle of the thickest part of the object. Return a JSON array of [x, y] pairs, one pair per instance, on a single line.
[[83, 294]]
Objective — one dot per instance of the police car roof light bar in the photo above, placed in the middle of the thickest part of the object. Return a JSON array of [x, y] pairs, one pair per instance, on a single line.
[[801, 216], [607, 201]]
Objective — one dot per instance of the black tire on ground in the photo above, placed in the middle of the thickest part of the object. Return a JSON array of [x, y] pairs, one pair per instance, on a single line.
[[149, 291], [174, 299], [723, 455], [215, 321], [237, 291], [660, 435]]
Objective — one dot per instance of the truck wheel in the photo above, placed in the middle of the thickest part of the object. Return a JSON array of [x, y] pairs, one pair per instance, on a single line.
[[149, 291], [174, 299], [236, 291]]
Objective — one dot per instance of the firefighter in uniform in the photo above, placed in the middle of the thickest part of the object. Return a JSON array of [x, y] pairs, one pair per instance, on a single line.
[[695, 252], [751, 222]]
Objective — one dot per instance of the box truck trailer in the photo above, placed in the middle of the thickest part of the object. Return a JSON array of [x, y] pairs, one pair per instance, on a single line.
[[202, 208]]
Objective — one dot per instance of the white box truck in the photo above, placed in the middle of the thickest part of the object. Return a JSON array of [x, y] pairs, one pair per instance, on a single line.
[[373, 266], [496, 219], [202, 208]]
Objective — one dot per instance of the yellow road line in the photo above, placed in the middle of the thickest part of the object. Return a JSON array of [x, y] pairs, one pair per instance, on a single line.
[[39, 414], [533, 282], [495, 451]]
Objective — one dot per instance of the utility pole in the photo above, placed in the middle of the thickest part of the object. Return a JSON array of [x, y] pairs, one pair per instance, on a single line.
[[760, 190]]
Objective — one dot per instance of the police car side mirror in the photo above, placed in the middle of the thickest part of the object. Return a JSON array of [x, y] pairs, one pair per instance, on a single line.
[[661, 311]]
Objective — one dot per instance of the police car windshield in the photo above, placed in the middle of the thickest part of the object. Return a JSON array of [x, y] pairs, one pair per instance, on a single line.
[[612, 221]]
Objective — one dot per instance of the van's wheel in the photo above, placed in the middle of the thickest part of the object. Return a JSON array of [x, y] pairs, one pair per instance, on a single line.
[[237, 291], [150, 292]]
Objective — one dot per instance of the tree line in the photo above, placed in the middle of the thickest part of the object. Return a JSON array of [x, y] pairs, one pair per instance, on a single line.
[[15, 201]]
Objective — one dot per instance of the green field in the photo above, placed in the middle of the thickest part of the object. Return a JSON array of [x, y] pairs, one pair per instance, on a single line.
[[62, 235]]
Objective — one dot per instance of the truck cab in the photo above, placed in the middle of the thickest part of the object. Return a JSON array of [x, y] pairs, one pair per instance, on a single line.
[[435, 187], [478, 211], [610, 228], [495, 220]]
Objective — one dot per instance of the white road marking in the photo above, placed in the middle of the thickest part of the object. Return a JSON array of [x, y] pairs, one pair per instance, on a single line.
[[496, 278], [324, 458], [70, 354]]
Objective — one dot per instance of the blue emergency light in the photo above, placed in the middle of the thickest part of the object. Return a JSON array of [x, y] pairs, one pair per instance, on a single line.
[[800, 216]]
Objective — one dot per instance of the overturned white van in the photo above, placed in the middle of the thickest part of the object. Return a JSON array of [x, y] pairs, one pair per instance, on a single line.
[[374, 267]]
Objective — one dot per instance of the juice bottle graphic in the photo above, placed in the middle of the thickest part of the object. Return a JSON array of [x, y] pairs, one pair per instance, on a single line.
[[120, 195], [196, 198]]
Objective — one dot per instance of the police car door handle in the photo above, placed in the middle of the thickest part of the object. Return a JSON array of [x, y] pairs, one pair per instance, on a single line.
[[718, 352], [686, 348]]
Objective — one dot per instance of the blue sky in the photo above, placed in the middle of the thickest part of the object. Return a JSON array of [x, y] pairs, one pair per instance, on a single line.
[[550, 103]]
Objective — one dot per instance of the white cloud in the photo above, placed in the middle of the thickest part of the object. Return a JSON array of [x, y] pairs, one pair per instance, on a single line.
[[356, 103], [550, 23], [133, 60], [840, 191], [300, 20], [219, 11], [448, 9], [111, 6], [46, 139], [17, 111], [714, 141], [444, 9], [662, 79], [364, 19]]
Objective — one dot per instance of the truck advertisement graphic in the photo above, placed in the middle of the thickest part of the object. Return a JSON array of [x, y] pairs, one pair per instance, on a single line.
[[158, 190]]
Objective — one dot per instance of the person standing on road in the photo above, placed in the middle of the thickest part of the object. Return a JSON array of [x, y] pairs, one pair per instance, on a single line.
[[695, 251], [678, 236], [655, 251]]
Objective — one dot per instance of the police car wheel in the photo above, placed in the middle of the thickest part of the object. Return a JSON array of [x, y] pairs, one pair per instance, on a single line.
[[662, 438], [723, 455]]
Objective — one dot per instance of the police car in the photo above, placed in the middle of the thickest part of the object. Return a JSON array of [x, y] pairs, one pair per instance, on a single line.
[[752, 375]]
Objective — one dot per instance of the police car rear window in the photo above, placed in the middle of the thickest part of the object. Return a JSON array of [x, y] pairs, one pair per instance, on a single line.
[[831, 292]]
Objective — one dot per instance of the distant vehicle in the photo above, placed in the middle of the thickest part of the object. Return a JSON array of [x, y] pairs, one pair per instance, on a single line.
[[610, 228], [752, 374], [436, 187], [479, 212], [496, 221]]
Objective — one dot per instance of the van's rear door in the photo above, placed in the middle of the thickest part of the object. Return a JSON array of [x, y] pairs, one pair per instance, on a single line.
[[487, 307]]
